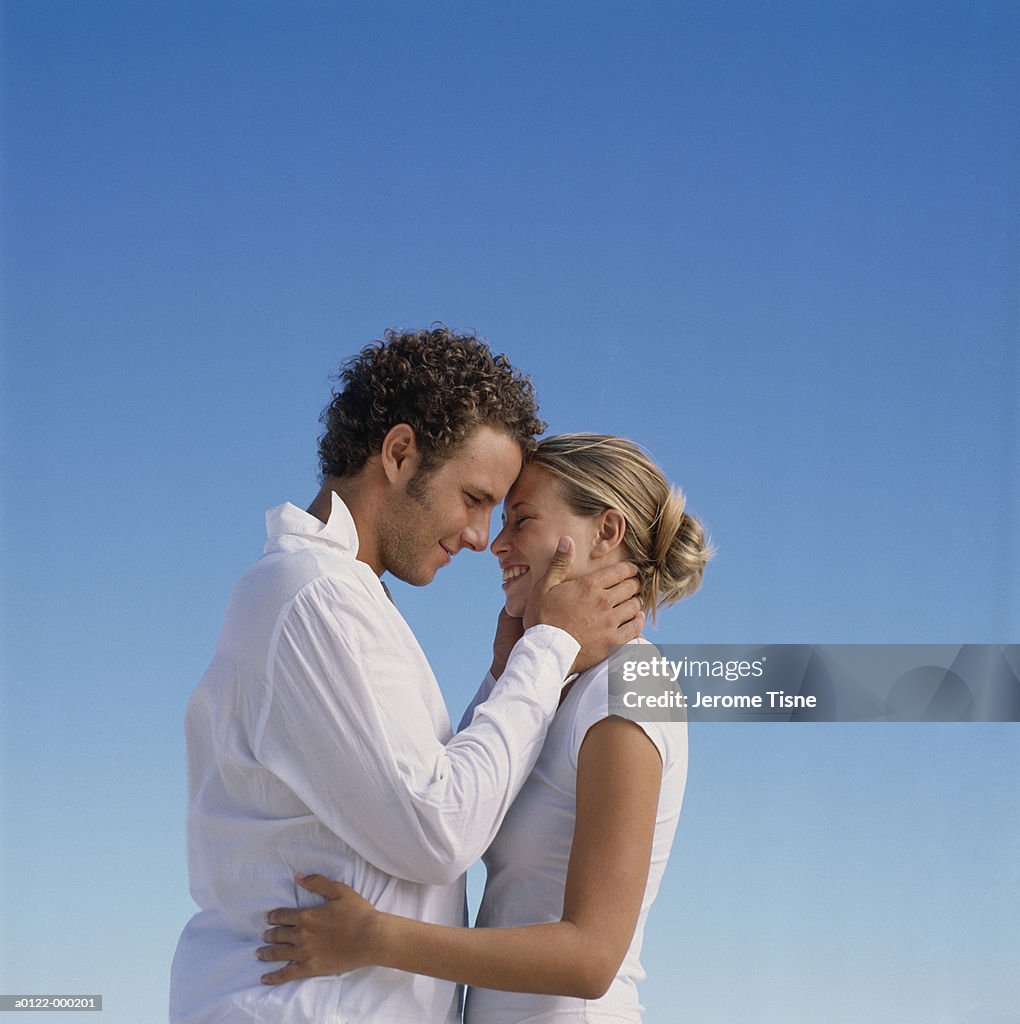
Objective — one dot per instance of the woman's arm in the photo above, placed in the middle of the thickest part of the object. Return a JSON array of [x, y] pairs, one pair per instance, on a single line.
[[619, 774]]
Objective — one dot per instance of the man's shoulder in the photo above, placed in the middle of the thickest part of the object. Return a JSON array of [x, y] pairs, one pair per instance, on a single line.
[[313, 601], [279, 577]]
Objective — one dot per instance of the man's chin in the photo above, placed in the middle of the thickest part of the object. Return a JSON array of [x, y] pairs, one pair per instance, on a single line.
[[415, 578]]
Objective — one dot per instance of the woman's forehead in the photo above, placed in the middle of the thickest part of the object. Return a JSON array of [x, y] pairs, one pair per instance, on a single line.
[[533, 484]]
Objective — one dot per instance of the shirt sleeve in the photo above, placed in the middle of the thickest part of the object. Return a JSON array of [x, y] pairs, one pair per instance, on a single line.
[[479, 698], [593, 707], [348, 728]]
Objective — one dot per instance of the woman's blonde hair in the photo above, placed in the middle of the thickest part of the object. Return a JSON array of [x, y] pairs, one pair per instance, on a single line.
[[599, 472]]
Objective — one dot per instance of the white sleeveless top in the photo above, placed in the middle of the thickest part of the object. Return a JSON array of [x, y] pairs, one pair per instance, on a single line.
[[527, 861]]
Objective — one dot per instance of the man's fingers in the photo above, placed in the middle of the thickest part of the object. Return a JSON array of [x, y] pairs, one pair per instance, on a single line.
[[560, 563], [591, 607], [611, 575], [624, 590], [631, 629], [627, 611], [549, 580], [623, 599]]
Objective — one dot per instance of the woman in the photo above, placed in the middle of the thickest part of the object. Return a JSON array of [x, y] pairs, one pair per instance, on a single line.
[[579, 857]]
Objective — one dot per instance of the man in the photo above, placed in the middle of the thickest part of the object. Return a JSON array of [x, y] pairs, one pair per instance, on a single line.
[[318, 738]]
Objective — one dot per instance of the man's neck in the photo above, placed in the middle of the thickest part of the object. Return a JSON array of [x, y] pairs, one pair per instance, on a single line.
[[322, 504], [358, 505]]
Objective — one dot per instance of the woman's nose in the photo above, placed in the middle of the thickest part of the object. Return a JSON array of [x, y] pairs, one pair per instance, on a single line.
[[500, 543]]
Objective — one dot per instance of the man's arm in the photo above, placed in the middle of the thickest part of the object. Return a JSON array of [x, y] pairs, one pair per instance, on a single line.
[[348, 728], [619, 774], [508, 631]]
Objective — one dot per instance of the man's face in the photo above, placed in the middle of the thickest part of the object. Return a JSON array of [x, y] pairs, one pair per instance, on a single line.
[[425, 526]]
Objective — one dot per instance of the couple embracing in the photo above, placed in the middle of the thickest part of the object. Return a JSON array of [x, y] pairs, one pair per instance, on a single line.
[[318, 739]]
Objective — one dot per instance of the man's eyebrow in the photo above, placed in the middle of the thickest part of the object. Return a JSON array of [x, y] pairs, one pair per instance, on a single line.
[[483, 495]]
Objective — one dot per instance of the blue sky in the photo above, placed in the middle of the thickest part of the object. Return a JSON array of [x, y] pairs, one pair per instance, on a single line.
[[777, 243]]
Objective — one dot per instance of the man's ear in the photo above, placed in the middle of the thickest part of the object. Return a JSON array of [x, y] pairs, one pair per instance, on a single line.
[[609, 535], [399, 455]]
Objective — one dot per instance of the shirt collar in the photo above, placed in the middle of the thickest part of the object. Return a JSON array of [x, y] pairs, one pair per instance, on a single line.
[[289, 521]]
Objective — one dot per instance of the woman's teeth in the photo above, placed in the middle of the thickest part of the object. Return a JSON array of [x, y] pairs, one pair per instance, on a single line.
[[513, 573]]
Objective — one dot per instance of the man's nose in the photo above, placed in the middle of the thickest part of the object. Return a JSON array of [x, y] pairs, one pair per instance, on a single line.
[[476, 533]]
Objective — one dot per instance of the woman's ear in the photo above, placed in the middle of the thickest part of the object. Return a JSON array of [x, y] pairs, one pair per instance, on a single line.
[[399, 456], [609, 535]]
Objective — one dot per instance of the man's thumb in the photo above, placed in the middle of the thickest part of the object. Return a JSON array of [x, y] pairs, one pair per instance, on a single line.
[[560, 563]]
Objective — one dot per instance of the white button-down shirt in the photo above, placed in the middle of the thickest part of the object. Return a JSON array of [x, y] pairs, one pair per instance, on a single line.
[[318, 741]]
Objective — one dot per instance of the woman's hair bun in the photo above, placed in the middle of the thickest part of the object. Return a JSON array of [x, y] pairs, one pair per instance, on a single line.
[[680, 550]]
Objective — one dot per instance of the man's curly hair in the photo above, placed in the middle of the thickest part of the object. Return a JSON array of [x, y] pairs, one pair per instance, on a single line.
[[440, 383]]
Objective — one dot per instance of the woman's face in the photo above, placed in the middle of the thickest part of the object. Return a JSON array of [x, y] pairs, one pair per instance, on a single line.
[[535, 516]]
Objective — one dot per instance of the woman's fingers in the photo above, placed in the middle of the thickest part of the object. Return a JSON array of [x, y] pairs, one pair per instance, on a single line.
[[281, 935], [328, 938], [327, 888], [292, 972], [274, 952], [283, 915]]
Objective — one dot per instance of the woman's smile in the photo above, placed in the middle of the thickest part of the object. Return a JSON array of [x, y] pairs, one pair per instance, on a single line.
[[513, 572]]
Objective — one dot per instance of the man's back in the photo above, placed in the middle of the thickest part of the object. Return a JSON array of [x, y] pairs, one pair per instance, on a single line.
[[318, 741], [250, 823]]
